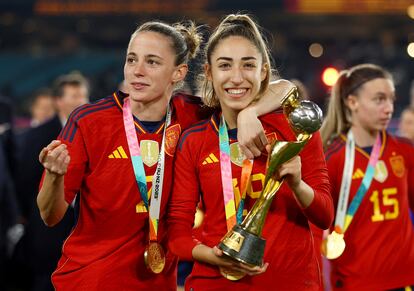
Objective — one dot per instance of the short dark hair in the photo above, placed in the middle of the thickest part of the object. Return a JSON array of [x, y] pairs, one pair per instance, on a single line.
[[40, 92], [71, 79]]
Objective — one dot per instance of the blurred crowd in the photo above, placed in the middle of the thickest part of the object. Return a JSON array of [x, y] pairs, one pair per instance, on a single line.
[[29, 250]]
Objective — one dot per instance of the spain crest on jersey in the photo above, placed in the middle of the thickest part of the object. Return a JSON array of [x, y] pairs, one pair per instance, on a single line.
[[397, 165], [171, 139], [149, 152], [271, 137]]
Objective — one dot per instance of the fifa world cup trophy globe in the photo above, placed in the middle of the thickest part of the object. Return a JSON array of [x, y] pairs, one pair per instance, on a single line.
[[244, 243]]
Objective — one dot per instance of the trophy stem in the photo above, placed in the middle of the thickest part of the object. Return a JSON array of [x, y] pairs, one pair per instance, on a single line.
[[255, 219], [282, 152]]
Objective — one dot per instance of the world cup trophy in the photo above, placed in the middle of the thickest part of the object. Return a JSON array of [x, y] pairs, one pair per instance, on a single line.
[[243, 242]]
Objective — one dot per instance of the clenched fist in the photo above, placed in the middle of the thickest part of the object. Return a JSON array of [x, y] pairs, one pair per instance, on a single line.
[[55, 158]]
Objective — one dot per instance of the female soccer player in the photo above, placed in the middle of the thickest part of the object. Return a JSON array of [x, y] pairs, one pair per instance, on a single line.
[[238, 72], [378, 171], [112, 154]]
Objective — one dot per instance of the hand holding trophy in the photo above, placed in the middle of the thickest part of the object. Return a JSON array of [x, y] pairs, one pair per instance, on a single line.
[[244, 243]]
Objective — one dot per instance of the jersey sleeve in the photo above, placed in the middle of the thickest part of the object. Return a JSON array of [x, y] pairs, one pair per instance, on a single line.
[[72, 136], [315, 174], [333, 178], [184, 199], [410, 174]]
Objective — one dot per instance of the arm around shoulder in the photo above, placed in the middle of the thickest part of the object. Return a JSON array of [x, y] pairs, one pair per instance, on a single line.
[[250, 134], [271, 99]]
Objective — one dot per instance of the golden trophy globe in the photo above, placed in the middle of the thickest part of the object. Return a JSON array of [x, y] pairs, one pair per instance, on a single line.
[[244, 242]]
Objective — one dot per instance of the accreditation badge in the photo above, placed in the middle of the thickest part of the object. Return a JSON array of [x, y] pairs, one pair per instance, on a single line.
[[172, 135], [149, 152]]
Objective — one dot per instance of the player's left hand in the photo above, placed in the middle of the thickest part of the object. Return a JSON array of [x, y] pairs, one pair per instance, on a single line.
[[243, 268]]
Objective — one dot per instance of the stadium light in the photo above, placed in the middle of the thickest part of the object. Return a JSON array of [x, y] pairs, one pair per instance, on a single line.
[[329, 76], [315, 50], [410, 49]]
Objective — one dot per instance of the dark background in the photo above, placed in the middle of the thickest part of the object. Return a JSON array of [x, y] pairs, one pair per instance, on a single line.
[[42, 39]]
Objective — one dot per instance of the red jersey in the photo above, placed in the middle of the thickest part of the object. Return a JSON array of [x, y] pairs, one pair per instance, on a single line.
[[105, 250], [289, 246], [379, 253], [317, 234]]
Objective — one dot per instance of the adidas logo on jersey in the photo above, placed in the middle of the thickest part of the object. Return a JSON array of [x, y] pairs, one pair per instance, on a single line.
[[119, 153], [210, 159], [358, 174]]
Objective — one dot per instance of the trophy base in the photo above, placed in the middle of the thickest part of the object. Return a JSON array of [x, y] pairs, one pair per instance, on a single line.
[[243, 246]]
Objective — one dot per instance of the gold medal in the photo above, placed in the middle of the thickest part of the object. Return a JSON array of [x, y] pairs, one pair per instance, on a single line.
[[231, 275], [333, 245], [154, 257], [198, 218]]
